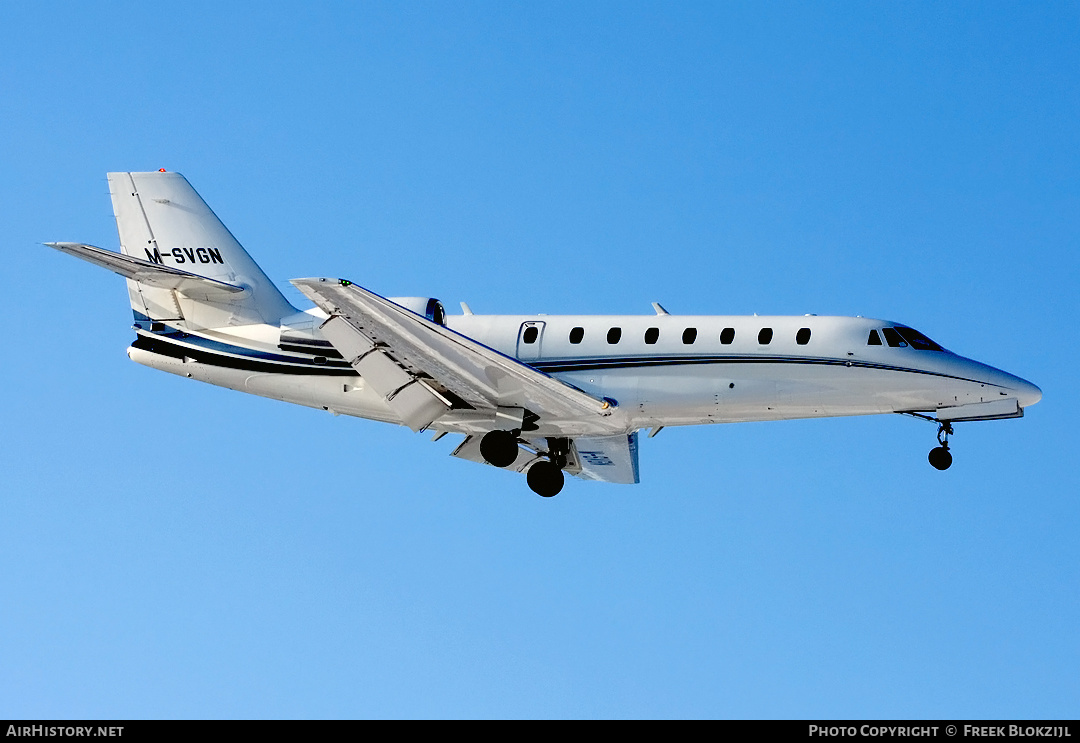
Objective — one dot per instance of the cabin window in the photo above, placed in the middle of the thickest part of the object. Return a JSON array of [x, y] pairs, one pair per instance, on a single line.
[[918, 340], [803, 336], [727, 335], [874, 339], [614, 335], [689, 336], [893, 338], [765, 336], [529, 336], [576, 335], [652, 335]]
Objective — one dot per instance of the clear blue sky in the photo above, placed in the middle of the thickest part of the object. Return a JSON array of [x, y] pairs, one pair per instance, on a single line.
[[171, 549]]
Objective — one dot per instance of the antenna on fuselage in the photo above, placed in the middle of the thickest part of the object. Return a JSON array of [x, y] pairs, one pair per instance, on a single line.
[[659, 309]]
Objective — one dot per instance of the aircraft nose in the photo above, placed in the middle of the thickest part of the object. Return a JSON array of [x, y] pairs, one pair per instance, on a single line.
[[1012, 386]]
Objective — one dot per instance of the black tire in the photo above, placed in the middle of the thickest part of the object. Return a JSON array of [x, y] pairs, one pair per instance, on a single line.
[[545, 479], [940, 458], [499, 448]]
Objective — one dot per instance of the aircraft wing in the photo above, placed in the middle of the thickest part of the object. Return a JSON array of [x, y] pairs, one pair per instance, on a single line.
[[419, 366], [604, 458], [608, 458], [151, 274]]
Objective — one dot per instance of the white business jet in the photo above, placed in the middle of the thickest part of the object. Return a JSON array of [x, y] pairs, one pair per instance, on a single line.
[[539, 394]]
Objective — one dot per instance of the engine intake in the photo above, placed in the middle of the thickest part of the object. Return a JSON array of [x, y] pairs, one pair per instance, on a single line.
[[427, 307]]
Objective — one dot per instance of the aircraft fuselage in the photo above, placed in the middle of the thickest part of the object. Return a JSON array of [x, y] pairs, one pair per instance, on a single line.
[[696, 369]]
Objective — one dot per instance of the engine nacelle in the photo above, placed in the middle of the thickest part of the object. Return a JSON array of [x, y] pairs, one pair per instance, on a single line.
[[427, 307]]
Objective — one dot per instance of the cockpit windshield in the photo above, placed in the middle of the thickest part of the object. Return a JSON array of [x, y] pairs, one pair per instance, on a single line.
[[917, 340]]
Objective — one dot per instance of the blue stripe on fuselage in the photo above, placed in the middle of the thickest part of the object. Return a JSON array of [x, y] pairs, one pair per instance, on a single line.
[[555, 366]]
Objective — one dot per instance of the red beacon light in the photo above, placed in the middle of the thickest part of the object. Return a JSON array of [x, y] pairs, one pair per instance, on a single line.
[[161, 170]]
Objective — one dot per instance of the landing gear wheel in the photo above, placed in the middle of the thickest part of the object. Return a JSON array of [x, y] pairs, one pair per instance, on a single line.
[[499, 448], [940, 458], [545, 479]]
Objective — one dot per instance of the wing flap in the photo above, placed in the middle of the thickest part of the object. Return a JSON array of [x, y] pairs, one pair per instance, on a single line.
[[479, 375], [151, 274], [409, 396]]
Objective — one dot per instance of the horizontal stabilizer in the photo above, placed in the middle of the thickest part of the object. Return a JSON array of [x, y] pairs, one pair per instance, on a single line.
[[151, 274]]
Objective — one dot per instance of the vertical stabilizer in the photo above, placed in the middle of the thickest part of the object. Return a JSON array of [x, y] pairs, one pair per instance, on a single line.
[[162, 219]]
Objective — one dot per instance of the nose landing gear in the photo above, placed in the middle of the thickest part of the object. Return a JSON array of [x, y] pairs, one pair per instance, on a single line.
[[940, 457]]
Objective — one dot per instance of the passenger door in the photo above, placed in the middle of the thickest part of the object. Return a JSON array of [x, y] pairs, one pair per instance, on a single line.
[[530, 341]]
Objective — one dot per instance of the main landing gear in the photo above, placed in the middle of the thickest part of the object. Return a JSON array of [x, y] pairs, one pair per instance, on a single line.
[[940, 456], [500, 448], [545, 478]]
